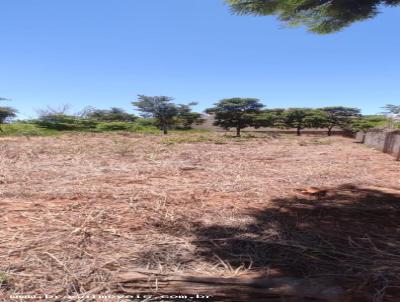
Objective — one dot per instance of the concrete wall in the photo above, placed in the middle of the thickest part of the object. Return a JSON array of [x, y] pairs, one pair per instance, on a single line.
[[385, 141]]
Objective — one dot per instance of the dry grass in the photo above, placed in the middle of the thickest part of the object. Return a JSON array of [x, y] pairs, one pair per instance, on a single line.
[[77, 210]]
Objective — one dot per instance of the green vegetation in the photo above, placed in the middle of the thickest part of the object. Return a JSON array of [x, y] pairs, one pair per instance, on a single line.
[[26, 129], [3, 278], [6, 114], [65, 122], [320, 16], [167, 114], [339, 116], [68, 124], [301, 118], [366, 122], [236, 113], [112, 115], [124, 126], [160, 113]]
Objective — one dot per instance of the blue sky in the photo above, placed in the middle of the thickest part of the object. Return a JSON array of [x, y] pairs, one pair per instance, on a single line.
[[103, 53]]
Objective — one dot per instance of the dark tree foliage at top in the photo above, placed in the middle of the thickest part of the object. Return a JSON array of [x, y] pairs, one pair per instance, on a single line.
[[236, 113], [339, 116], [301, 118], [320, 16], [7, 113], [160, 108], [112, 115], [392, 109], [186, 117]]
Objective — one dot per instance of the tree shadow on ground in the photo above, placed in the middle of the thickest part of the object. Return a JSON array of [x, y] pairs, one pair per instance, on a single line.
[[350, 234], [346, 236]]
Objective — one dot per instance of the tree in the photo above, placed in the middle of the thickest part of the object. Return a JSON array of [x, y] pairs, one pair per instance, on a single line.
[[339, 116], [236, 113], [6, 113], [392, 109], [301, 118], [112, 115], [158, 107], [320, 16], [186, 118], [392, 112], [270, 118]]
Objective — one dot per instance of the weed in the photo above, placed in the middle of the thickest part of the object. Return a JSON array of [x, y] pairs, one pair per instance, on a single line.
[[3, 278]]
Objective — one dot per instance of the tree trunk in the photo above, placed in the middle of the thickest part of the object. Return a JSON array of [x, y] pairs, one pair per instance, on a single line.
[[165, 129], [298, 131], [329, 131], [238, 131]]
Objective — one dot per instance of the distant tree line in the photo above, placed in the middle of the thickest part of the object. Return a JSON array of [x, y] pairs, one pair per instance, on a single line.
[[239, 113], [160, 112], [156, 112]]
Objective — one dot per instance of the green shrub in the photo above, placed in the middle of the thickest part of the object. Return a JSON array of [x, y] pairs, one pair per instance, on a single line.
[[63, 122], [3, 278], [114, 126], [24, 129], [366, 122], [146, 122]]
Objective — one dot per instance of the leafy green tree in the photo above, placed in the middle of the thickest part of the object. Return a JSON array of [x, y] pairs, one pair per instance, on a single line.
[[339, 116], [112, 115], [160, 108], [6, 113], [270, 118], [236, 113], [186, 118], [320, 16], [301, 118]]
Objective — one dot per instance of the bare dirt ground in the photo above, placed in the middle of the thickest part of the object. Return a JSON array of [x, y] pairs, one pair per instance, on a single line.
[[78, 211]]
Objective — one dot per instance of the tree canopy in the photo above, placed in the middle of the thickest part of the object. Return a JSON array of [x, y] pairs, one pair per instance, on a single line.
[[339, 116], [112, 115], [158, 107], [7, 113], [186, 117], [165, 112], [236, 113], [392, 109], [319, 16], [300, 118]]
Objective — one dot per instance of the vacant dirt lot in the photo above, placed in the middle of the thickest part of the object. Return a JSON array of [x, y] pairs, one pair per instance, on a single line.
[[77, 211]]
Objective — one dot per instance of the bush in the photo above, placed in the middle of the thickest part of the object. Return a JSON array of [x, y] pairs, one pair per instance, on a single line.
[[146, 122], [366, 122], [114, 126], [3, 278], [63, 122], [112, 115], [25, 129]]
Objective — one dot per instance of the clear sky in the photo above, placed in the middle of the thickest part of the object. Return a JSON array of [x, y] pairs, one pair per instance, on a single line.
[[103, 53]]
